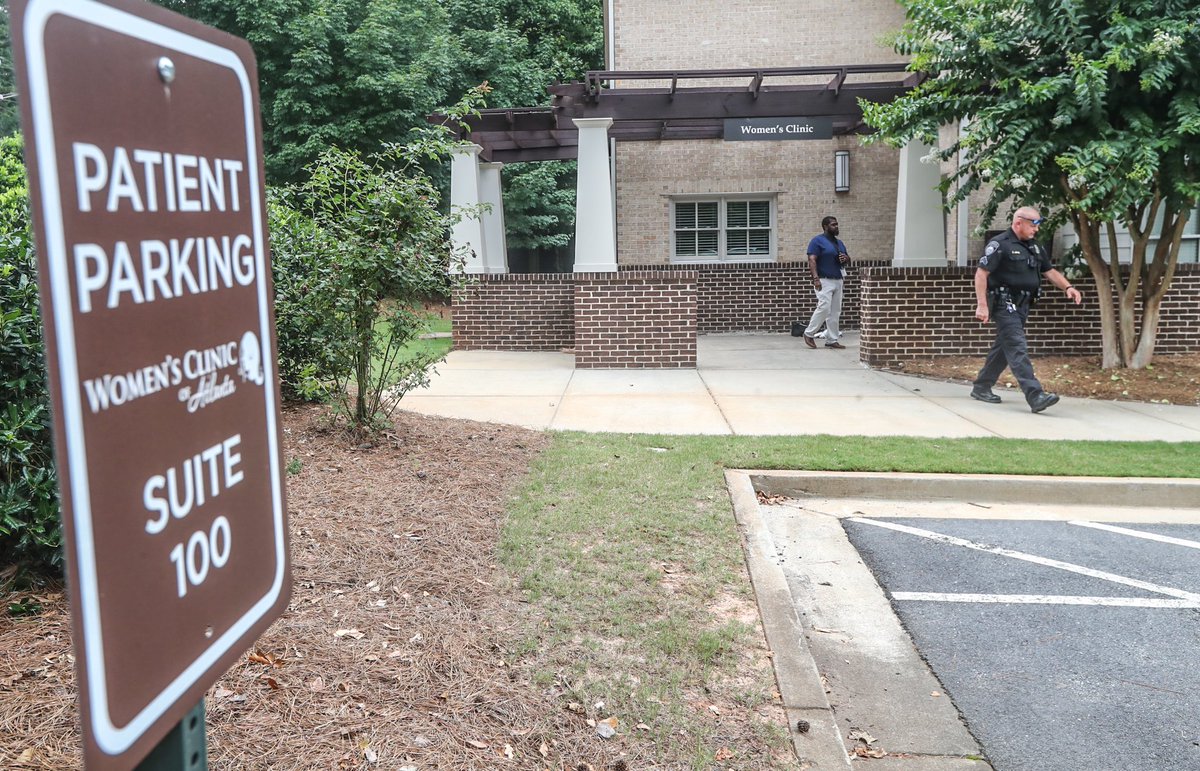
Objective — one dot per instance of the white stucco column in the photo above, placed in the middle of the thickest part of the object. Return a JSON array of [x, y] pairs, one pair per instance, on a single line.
[[920, 231], [495, 251], [962, 258], [595, 227], [464, 192]]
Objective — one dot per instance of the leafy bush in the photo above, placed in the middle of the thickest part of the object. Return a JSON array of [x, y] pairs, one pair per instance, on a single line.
[[354, 249], [367, 243], [306, 322], [30, 528]]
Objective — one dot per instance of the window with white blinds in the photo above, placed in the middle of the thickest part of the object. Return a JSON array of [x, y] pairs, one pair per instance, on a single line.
[[722, 229]]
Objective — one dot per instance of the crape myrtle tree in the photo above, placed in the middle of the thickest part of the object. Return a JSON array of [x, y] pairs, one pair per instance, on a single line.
[[1088, 108]]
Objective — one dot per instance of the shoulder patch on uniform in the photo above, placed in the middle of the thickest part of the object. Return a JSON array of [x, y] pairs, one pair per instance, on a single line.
[[983, 260], [991, 247]]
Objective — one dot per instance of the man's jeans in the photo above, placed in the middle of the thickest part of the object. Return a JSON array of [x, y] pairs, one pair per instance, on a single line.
[[829, 310]]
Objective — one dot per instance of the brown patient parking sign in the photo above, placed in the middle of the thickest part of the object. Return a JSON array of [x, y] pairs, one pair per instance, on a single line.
[[143, 147]]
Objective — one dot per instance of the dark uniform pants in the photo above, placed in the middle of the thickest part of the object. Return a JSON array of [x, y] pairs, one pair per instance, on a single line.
[[1009, 349]]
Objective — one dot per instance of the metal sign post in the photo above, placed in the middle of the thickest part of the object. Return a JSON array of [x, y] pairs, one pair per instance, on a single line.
[[146, 182], [184, 748]]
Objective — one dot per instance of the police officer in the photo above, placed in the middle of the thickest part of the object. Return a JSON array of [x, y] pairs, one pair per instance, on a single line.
[[1007, 282]]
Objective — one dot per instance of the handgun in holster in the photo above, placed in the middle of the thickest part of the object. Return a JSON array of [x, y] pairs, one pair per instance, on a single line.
[[998, 297]]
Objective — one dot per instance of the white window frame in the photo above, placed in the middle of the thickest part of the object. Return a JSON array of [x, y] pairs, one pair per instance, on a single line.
[[1189, 248], [723, 199]]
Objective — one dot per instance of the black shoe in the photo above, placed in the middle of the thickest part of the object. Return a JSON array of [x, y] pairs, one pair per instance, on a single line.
[[985, 395], [1042, 401]]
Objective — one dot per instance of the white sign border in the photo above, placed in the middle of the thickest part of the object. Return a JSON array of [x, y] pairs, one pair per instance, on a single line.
[[111, 738]]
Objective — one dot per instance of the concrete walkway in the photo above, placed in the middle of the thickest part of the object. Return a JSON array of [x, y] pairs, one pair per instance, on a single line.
[[763, 384]]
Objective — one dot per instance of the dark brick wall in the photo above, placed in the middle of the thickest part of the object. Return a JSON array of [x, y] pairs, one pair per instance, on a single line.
[[757, 297], [610, 320], [919, 312], [635, 319], [516, 312], [650, 317]]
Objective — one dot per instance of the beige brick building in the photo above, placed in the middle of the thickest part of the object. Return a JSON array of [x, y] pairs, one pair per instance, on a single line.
[[694, 207], [796, 178]]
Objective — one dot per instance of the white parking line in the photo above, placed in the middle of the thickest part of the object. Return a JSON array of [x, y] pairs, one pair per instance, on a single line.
[[1138, 534], [1047, 599], [1044, 561]]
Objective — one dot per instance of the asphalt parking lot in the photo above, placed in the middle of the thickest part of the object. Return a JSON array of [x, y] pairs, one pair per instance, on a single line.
[[941, 622], [1065, 644]]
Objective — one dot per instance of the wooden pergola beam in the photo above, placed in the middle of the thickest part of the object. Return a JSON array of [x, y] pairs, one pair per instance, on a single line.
[[669, 111]]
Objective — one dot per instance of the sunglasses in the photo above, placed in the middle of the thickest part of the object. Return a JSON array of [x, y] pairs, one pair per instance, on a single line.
[[1037, 221]]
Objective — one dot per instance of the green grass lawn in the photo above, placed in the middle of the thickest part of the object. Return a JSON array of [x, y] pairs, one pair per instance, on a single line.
[[438, 347], [587, 539]]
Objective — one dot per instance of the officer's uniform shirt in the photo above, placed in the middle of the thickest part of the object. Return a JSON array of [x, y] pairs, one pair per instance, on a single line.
[[1014, 263]]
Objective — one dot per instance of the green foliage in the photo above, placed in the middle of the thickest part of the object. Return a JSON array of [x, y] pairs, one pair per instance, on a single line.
[[1088, 107], [360, 73], [306, 325], [355, 248], [539, 204], [348, 73], [9, 117], [30, 530], [1088, 104]]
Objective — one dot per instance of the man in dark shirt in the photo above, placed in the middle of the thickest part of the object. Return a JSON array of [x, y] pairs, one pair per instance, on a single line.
[[1007, 282], [826, 257]]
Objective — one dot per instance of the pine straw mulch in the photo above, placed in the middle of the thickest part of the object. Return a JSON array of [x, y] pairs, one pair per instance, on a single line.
[[393, 652], [1169, 379]]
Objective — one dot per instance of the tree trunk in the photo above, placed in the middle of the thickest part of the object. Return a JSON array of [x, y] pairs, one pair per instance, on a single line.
[[1089, 244], [362, 362], [1158, 278], [1124, 341]]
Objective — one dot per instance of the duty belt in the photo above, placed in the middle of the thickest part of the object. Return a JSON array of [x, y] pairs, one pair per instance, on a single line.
[[1010, 298]]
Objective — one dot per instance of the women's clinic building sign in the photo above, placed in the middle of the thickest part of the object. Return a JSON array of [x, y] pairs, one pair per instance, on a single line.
[[144, 152]]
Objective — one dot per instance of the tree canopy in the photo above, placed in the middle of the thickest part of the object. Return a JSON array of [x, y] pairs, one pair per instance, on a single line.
[[1090, 108], [356, 74], [9, 117]]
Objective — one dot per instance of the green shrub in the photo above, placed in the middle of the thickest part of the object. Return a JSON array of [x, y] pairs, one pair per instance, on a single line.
[[354, 250], [30, 527], [306, 322]]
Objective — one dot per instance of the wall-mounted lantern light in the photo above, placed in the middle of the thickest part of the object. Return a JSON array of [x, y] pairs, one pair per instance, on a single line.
[[841, 171]]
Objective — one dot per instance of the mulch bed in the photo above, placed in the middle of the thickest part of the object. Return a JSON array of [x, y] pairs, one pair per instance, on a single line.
[[1170, 379], [392, 652]]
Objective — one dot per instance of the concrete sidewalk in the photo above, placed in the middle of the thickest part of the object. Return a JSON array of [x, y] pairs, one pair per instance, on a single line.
[[764, 384]]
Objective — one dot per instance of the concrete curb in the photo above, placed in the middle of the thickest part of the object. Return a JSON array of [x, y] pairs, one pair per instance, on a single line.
[[1081, 491], [795, 670]]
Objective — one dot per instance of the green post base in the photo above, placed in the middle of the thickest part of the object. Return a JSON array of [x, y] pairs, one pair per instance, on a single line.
[[183, 749]]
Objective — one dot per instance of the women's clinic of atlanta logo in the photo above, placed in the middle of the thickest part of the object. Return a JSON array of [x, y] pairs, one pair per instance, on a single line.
[[201, 375]]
